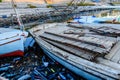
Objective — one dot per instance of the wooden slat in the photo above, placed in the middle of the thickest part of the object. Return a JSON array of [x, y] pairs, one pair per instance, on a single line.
[[73, 50], [83, 41], [56, 38], [90, 47]]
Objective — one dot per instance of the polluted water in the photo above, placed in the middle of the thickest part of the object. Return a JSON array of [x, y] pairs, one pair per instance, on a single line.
[[34, 65]]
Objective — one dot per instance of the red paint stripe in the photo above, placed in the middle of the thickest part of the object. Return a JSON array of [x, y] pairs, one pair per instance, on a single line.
[[10, 42], [15, 53]]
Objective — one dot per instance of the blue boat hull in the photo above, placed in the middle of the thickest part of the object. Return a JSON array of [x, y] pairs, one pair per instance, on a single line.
[[69, 66]]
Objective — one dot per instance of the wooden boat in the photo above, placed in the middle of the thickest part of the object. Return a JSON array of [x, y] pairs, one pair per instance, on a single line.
[[93, 53], [12, 40]]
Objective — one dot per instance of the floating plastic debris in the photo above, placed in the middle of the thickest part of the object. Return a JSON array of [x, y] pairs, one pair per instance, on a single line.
[[25, 77], [2, 78]]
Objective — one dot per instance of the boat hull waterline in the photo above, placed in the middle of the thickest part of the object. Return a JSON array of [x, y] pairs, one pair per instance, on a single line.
[[15, 53]]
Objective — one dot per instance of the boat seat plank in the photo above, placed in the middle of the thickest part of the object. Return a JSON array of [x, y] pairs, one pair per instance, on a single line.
[[54, 37], [100, 50], [90, 47], [57, 38], [82, 45], [77, 43]]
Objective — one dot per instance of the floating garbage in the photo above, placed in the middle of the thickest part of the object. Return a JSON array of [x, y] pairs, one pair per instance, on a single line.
[[2, 78], [36, 72], [25, 77], [29, 42], [11, 75], [5, 68], [62, 76], [5, 65], [16, 59]]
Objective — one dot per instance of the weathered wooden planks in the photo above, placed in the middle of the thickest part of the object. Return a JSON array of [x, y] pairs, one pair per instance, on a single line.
[[77, 39], [81, 45], [68, 47], [73, 50], [102, 71]]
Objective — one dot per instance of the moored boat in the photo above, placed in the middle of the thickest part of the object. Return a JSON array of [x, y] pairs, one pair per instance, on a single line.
[[92, 53], [12, 42], [91, 19]]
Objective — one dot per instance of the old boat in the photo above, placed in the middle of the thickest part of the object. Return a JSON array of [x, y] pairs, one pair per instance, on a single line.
[[93, 53], [12, 40]]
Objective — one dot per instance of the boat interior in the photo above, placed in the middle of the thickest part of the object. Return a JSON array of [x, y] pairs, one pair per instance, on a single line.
[[94, 48]]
